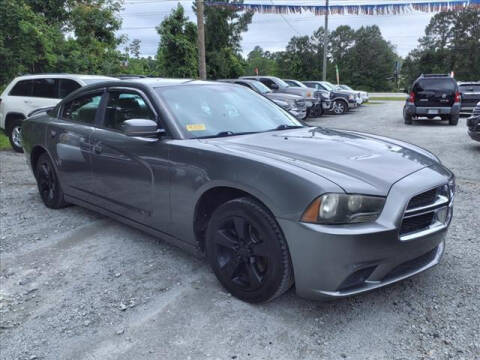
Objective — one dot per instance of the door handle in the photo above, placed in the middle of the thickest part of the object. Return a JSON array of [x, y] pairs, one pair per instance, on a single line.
[[97, 148]]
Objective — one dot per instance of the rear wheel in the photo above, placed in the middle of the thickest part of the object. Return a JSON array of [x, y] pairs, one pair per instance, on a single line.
[[453, 120], [247, 251], [339, 107], [48, 185], [407, 117], [15, 135]]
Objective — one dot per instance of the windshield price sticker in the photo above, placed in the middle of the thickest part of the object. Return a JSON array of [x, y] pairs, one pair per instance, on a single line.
[[196, 127]]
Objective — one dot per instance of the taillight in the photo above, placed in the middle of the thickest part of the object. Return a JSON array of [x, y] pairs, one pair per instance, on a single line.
[[458, 97], [411, 98]]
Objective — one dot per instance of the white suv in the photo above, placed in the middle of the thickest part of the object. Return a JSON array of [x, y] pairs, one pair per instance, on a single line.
[[27, 93]]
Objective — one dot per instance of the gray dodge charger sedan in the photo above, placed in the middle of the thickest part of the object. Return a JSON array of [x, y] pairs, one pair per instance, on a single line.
[[223, 172]]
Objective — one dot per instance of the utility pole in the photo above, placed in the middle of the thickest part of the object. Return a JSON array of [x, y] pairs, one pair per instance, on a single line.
[[202, 67], [325, 44]]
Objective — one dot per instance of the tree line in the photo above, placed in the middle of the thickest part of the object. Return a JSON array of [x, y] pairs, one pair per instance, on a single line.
[[80, 36]]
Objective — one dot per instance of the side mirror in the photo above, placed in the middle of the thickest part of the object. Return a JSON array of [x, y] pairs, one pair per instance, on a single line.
[[141, 128], [274, 87]]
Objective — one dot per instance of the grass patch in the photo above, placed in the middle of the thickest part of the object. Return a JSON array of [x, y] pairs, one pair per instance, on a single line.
[[4, 142], [388, 98]]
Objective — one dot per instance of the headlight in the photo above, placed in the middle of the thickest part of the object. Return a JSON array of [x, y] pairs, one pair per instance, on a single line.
[[325, 96], [350, 97], [343, 209], [309, 94]]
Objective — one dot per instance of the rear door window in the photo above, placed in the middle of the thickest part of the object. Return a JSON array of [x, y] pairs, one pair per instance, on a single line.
[[446, 85], [66, 87], [22, 88], [45, 88]]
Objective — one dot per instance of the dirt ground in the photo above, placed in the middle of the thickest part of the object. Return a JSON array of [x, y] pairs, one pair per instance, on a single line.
[[77, 285]]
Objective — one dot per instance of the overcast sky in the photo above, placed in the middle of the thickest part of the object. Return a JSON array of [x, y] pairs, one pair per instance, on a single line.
[[271, 31]]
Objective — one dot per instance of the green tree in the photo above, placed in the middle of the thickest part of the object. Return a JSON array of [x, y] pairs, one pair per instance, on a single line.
[[223, 34], [370, 62], [177, 51], [27, 42], [299, 60], [451, 43], [261, 60]]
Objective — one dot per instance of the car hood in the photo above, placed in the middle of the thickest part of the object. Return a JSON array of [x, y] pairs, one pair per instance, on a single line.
[[304, 92], [356, 162], [283, 96]]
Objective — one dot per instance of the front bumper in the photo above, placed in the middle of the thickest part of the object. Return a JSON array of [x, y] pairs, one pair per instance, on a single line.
[[299, 113], [338, 261], [352, 104]]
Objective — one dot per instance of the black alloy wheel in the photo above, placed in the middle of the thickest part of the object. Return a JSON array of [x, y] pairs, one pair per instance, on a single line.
[[48, 184], [248, 252]]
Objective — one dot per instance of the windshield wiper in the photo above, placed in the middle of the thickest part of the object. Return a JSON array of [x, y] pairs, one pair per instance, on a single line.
[[286, 127], [225, 134]]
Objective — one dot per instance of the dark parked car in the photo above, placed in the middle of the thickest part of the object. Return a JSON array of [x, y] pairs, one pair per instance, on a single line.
[[473, 123], [312, 99], [342, 101], [470, 93], [295, 104], [223, 172], [433, 96]]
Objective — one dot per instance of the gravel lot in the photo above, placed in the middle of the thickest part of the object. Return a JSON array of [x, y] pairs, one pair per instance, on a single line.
[[76, 285]]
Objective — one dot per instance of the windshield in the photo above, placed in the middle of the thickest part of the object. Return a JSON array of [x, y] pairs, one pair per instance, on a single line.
[[327, 85], [210, 110], [262, 89]]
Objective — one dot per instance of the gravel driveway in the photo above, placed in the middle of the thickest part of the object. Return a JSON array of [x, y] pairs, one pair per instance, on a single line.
[[76, 285]]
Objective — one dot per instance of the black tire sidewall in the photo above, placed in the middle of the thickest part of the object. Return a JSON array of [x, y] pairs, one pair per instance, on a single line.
[[266, 224], [58, 200]]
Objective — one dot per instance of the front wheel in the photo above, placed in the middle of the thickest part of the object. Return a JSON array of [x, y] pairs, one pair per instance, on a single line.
[[339, 107], [248, 252], [48, 185], [15, 136]]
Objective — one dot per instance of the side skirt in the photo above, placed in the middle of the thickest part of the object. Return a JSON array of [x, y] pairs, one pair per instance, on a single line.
[[192, 249]]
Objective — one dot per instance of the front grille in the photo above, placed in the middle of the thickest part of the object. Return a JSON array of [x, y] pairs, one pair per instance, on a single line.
[[422, 211], [423, 199], [300, 104], [417, 223]]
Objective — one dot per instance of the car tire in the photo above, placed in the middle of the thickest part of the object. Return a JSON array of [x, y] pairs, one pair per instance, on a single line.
[[453, 120], [248, 252], [407, 117], [339, 107], [48, 184], [15, 135]]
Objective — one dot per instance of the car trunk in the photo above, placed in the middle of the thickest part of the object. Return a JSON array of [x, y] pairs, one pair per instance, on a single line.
[[438, 92]]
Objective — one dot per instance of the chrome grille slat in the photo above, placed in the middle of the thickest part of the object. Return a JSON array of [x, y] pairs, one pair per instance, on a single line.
[[421, 215]]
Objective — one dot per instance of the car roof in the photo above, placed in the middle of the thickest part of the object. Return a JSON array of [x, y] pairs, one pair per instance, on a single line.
[[62, 75]]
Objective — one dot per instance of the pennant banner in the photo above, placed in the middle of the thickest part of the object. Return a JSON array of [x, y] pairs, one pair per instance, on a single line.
[[390, 8]]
